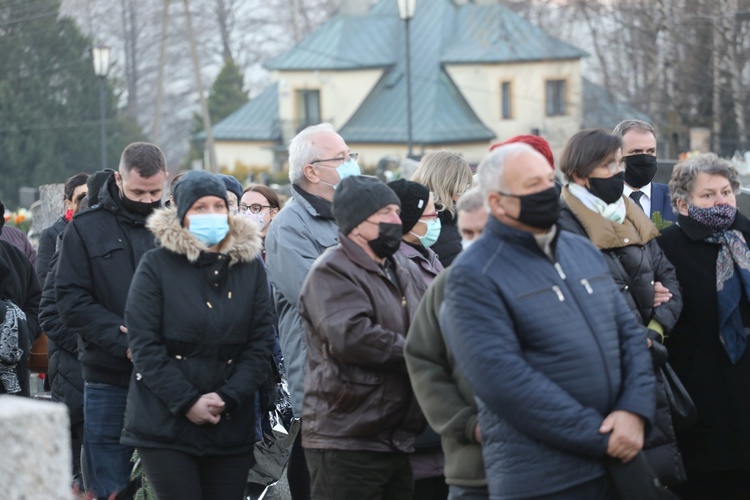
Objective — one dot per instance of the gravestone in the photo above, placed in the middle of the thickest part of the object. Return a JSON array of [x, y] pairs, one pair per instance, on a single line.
[[35, 461]]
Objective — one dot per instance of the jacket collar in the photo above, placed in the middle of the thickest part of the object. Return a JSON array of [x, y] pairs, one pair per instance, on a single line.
[[636, 229], [317, 206], [109, 200], [244, 242], [357, 255], [513, 235], [697, 231]]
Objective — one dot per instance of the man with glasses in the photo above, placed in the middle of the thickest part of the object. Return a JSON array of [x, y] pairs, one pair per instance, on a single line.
[[318, 160], [639, 156]]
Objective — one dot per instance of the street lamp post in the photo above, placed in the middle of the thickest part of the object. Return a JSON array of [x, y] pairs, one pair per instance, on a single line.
[[101, 68], [406, 13]]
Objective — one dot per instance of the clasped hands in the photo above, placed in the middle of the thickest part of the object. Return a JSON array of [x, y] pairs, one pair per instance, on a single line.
[[625, 431], [207, 410]]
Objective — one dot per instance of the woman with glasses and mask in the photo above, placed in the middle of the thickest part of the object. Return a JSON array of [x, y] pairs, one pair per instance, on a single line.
[[708, 346], [594, 207], [261, 204], [447, 175]]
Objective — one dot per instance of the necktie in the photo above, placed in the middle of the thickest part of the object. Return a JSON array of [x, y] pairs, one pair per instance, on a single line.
[[636, 197]]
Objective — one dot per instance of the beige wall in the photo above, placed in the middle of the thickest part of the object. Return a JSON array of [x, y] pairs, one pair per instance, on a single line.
[[480, 84], [252, 154], [341, 92]]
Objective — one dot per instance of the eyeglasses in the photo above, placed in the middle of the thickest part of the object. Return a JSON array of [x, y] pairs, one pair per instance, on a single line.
[[613, 166], [343, 159], [431, 216], [255, 208]]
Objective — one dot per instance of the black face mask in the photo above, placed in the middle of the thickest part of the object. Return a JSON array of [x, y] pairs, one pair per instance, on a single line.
[[540, 210], [388, 241], [137, 207], [608, 190], [639, 170]]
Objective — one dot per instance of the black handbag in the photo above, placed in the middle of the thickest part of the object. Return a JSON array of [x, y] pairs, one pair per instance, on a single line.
[[636, 480], [681, 404]]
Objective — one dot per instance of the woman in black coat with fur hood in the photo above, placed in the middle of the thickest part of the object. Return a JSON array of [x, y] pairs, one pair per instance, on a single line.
[[199, 323]]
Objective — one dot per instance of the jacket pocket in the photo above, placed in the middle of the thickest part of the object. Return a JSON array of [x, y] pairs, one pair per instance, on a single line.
[[106, 251], [545, 293]]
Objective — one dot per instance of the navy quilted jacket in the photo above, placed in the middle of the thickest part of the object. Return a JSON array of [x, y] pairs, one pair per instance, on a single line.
[[550, 349]]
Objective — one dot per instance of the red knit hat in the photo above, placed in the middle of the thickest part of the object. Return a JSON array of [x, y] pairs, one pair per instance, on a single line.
[[535, 141]]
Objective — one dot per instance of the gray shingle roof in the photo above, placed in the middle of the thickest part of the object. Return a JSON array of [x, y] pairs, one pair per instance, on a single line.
[[257, 120]]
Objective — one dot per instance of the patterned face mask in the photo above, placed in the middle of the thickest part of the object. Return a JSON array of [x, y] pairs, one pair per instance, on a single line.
[[259, 219], [718, 218]]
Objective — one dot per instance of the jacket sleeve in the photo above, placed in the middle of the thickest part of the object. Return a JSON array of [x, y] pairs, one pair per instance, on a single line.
[[668, 313], [340, 309], [45, 252], [74, 292], [251, 370], [144, 319], [480, 331], [638, 394], [30, 306], [430, 372], [49, 315]]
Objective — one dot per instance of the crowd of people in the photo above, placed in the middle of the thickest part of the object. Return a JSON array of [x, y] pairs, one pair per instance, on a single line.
[[509, 334]]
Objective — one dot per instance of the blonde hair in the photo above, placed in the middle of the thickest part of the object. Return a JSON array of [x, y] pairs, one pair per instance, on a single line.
[[447, 175]]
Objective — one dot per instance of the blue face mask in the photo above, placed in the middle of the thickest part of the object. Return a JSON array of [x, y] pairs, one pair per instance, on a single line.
[[346, 169], [431, 236], [209, 228]]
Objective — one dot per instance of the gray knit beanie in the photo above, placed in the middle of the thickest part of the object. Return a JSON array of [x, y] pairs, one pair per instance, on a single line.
[[357, 198]]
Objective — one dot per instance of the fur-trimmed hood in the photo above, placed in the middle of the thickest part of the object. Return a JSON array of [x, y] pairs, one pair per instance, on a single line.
[[244, 242]]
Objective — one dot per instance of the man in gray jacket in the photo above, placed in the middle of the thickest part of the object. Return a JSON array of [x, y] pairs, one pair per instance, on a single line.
[[318, 160]]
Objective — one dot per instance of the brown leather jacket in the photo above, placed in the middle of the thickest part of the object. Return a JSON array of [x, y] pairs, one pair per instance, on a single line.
[[357, 391]]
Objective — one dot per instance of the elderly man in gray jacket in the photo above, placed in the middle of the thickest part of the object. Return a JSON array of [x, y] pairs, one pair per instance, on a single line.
[[318, 160]]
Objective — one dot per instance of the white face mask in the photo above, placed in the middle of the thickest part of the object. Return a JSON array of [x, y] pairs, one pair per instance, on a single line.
[[466, 243], [259, 219]]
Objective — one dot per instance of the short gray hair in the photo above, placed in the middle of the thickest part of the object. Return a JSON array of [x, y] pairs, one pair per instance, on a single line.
[[625, 126], [682, 183], [302, 150], [470, 201], [490, 170]]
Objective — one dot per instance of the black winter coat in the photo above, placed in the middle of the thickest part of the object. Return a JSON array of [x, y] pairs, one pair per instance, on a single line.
[[720, 440], [18, 284], [64, 371], [47, 247], [98, 257], [198, 322], [448, 245], [635, 267]]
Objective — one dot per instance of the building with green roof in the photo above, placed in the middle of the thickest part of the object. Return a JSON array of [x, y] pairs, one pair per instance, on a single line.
[[479, 73]]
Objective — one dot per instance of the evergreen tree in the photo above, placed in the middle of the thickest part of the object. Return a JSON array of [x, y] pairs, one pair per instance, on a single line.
[[49, 100], [226, 96]]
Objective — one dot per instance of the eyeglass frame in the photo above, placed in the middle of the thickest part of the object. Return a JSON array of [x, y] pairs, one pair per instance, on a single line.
[[244, 208], [350, 156]]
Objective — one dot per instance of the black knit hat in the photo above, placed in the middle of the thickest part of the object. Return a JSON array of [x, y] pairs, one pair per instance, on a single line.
[[233, 186], [414, 197], [357, 198], [195, 185]]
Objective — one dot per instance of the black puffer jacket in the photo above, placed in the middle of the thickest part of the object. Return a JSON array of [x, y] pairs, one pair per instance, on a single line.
[[98, 257], [64, 371], [198, 322], [636, 261], [47, 247]]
